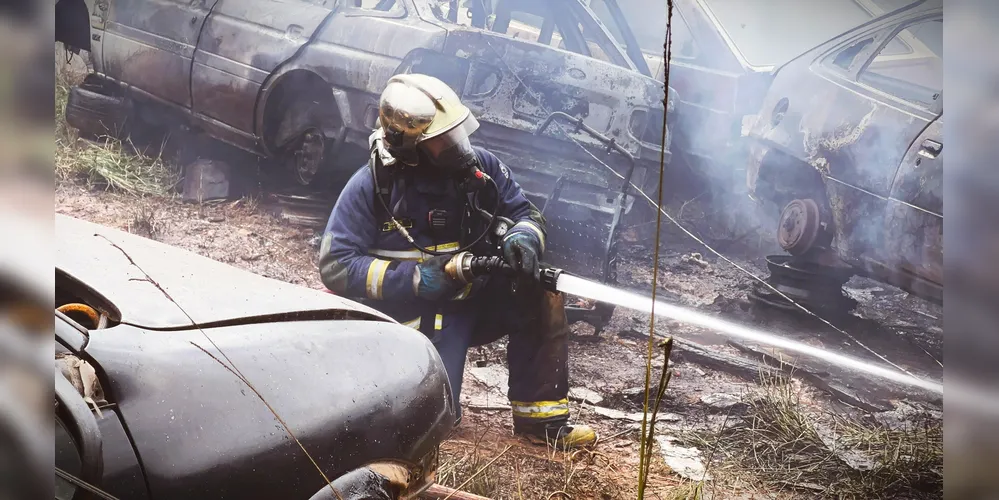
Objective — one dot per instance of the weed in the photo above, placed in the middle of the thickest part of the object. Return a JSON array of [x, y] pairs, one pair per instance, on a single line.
[[144, 222], [113, 165]]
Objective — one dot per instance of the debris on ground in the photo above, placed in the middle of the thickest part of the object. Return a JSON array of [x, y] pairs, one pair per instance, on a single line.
[[907, 415], [685, 462], [721, 401], [695, 258], [633, 416], [584, 395], [206, 180]]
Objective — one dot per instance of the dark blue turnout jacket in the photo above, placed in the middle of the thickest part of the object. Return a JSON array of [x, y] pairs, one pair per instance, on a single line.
[[364, 257]]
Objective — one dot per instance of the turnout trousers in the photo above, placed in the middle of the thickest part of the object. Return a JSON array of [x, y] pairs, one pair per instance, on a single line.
[[534, 322]]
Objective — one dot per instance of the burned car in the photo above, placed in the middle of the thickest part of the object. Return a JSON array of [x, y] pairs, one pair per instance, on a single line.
[[298, 81], [848, 150], [165, 359], [723, 56]]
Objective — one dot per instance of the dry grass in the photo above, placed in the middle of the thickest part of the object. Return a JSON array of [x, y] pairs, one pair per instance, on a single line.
[[109, 162], [116, 165], [471, 471], [486, 460], [786, 448], [145, 222], [693, 490]]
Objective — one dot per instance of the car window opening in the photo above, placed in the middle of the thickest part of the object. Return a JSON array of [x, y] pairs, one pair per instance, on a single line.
[[379, 5], [844, 59], [647, 21], [915, 74]]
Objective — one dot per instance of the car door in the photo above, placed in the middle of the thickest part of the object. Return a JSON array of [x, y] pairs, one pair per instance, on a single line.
[[914, 217], [243, 41], [149, 45]]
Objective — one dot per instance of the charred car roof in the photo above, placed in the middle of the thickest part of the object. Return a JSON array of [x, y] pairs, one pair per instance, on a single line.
[[157, 286]]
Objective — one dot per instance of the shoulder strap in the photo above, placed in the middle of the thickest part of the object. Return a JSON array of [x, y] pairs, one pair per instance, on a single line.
[[385, 183]]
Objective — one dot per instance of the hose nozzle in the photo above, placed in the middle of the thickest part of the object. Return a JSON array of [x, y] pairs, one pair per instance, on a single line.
[[549, 278], [465, 267]]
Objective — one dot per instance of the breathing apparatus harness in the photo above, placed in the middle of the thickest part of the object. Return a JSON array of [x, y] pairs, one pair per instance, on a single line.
[[470, 180]]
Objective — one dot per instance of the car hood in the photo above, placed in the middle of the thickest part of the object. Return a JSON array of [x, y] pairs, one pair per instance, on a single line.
[[157, 286]]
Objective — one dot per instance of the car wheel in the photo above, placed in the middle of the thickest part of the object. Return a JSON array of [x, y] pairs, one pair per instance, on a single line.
[[95, 113], [306, 157]]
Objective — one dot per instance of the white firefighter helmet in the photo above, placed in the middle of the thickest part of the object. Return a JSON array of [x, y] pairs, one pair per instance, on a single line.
[[419, 113]]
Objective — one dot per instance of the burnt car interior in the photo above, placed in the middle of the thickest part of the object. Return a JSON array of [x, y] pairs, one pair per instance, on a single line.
[[545, 23]]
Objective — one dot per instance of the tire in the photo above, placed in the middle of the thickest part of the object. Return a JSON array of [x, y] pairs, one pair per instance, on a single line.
[[94, 113]]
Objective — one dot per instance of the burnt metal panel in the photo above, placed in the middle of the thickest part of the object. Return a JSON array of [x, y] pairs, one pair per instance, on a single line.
[[914, 218], [123, 476], [356, 52], [243, 41], [149, 44], [530, 81]]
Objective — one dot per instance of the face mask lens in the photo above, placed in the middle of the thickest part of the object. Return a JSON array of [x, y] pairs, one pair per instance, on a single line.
[[450, 150]]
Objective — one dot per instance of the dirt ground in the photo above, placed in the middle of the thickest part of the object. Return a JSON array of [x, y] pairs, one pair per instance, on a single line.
[[703, 396]]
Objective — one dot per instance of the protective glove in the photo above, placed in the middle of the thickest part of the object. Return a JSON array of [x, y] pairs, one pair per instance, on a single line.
[[522, 250], [432, 282]]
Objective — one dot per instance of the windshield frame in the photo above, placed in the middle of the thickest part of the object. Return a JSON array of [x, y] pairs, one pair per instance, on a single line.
[[631, 49]]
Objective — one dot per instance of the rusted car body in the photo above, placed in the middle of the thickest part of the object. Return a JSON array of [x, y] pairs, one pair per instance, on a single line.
[[171, 356], [848, 147], [299, 80], [724, 53]]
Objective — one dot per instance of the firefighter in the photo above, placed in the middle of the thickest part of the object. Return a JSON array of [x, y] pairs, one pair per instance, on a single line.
[[425, 194]]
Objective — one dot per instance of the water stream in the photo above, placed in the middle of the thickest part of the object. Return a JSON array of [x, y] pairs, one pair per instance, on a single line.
[[603, 293]]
